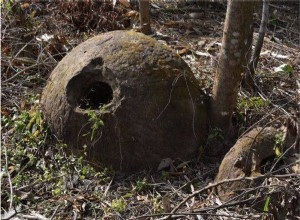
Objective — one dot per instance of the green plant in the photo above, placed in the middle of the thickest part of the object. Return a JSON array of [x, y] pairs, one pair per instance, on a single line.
[[106, 175], [215, 133], [59, 188], [253, 103], [157, 205], [273, 21], [165, 175], [6, 5], [27, 135], [95, 120], [285, 69], [288, 69], [128, 195], [266, 205], [141, 185], [34, 155], [119, 205], [278, 144]]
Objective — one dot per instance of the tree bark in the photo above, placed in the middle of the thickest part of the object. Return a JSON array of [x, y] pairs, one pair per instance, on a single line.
[[248, 81], [145, 16], [236, 45]]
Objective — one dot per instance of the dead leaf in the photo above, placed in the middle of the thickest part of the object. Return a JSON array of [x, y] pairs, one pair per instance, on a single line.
[[32, 14], [202, 43], [4, 112], [175, 24], [11, 169], [126, 3], [163, 42], [294, 159], [155, 6], [183, 165], [165, 164], [132, 13], [79, 197], [45, 37], [162, 36], [25, 5], [212, 47], [183, 51], [114, 2], [196, 15], [166, 203], [77, 207], [142, 198], [110, 217], [203, 54], [6, 50]]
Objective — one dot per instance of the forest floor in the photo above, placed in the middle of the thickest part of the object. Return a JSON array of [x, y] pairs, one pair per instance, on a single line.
[[40, 181]]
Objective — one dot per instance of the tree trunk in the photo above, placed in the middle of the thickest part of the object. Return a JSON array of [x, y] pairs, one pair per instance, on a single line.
[[145, 16], [236, 46], [248, 81]]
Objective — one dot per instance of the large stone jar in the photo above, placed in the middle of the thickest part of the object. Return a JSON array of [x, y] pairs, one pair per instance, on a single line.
[[127, 100]]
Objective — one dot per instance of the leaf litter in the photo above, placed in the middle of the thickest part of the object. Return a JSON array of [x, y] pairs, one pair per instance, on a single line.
[[40, 181]]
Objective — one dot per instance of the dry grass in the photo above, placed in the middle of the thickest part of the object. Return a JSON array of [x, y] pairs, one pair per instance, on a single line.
[[40, 181]]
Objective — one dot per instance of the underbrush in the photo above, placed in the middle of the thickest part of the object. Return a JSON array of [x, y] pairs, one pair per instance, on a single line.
[[41, 179]]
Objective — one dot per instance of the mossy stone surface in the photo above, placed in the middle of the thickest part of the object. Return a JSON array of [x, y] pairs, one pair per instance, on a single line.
[[156, 111]]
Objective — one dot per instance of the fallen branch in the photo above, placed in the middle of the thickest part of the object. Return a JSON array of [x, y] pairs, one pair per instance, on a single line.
[[38, 182], [22, 71], [210, 186], [184, 214]]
